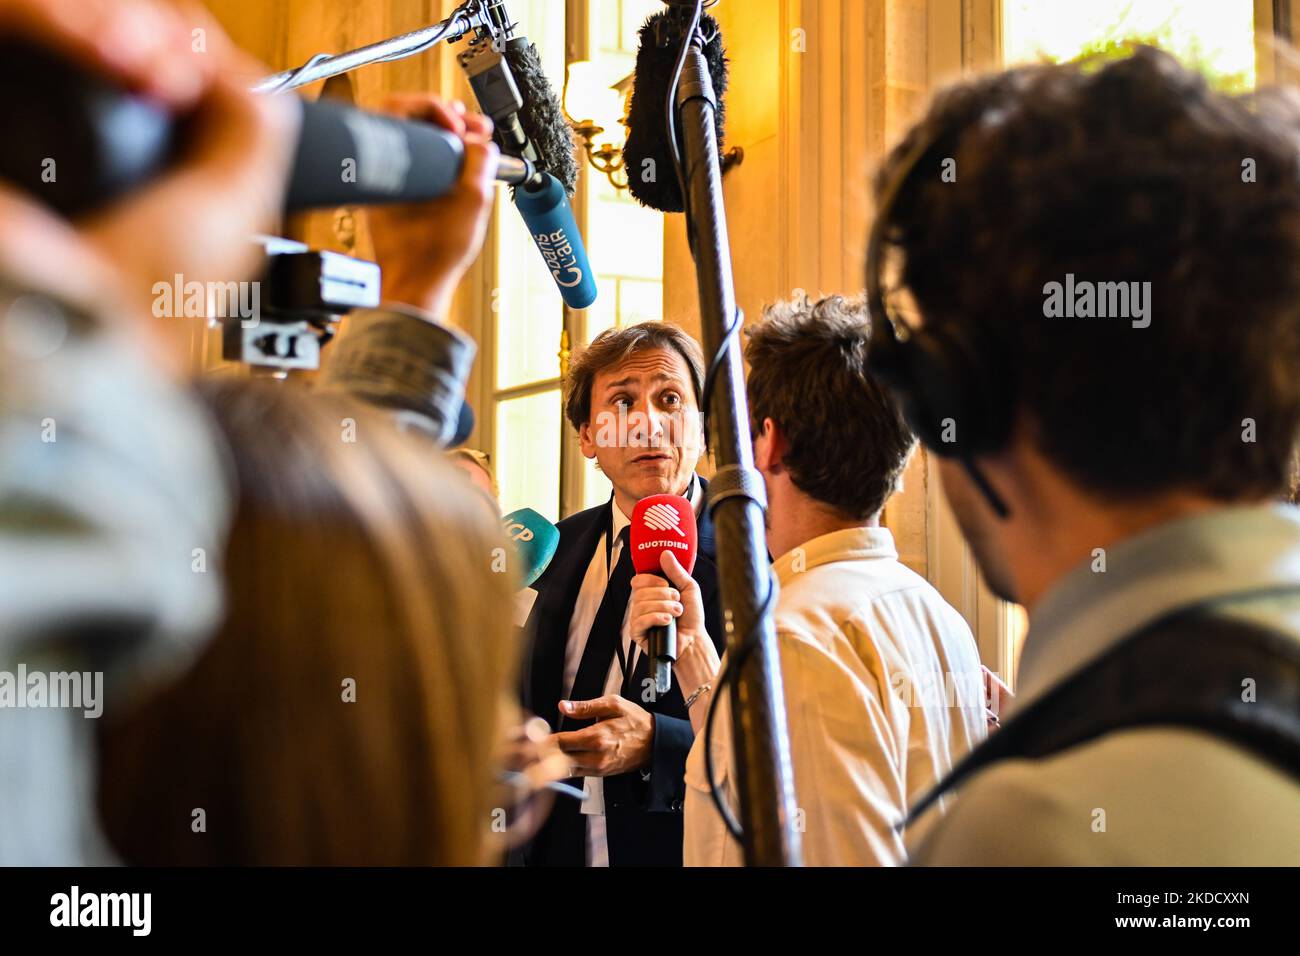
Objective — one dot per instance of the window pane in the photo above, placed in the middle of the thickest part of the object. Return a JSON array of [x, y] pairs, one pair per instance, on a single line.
[[625, 240], [527, 453], [604, 313], [529, 311], [637, 246], [614, 24], [640, 301], [1217, 36], [635, 13], [542, 21]]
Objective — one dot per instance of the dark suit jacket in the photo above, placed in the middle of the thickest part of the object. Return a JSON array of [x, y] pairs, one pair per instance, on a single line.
[[643, 808]]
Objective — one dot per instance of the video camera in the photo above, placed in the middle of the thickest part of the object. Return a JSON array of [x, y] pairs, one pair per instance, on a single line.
[[300, 299]]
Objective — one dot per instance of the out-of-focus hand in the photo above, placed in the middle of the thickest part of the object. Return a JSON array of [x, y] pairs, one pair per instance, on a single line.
[[139, 44], [198, 218], [531, 761], [144, 45], [424, 249]]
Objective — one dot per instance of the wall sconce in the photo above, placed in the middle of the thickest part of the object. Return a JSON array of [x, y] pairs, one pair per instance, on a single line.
[[602, 125], [597, 113]]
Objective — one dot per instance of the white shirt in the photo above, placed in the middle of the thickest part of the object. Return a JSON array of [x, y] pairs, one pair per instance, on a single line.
[[590, 594], [868, 651]]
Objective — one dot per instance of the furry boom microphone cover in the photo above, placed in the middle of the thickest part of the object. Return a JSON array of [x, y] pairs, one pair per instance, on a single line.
[[542, 117], [651, 178]]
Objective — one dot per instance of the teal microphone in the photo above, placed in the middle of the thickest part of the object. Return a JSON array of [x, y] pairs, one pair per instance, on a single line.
[[550, 222], [534, 539]]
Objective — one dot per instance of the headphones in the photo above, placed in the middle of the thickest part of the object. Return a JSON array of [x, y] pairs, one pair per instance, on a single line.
[[946, 398]]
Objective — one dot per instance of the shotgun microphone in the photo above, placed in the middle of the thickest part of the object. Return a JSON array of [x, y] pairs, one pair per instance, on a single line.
[[662, 523], [506, 75], [82, 143]]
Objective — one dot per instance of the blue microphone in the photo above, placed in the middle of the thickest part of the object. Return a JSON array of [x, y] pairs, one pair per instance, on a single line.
[[550, 222], [534, 539]]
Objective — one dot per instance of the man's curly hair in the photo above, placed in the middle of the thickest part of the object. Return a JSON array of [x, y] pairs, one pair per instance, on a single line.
[[847, 442], [1135, 171]]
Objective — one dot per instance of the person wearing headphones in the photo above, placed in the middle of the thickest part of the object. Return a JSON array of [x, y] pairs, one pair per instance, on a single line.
[[1103, 352]]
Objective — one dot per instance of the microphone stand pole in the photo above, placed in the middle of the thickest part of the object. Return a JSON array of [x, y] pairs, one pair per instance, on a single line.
[[466, 17], [737, 499]]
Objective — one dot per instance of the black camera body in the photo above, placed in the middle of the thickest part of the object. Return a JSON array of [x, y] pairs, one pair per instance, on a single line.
[[298, 302]]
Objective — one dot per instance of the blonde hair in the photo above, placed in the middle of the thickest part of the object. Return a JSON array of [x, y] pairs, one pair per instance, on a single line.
[[348, 572]]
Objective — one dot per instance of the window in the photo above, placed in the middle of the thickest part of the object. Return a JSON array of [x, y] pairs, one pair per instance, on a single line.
[[532, 448], [626, 240], [527, 319], [1216, 36]]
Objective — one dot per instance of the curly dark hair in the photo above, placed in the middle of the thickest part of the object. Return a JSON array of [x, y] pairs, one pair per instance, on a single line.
[[1131, 172], [848, 442]]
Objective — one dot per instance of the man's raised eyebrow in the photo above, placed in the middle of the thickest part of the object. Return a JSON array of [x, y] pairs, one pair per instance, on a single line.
[[657, 377]]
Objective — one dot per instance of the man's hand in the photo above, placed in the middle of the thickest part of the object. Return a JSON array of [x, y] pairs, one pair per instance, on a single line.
[[620, 740], [424, 249], [654, 603]]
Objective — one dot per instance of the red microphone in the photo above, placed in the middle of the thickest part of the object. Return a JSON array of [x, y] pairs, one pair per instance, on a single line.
[[662, 523]]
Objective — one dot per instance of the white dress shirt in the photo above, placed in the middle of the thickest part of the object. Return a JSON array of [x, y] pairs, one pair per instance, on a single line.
[[590, 594], [883, 693]]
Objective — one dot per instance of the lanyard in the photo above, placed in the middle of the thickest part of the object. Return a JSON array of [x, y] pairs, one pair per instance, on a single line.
[[609, 567]]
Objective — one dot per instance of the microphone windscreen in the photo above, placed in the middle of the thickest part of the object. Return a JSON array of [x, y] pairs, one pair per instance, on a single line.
[[651, 178], [662, 523], [534, 540], [542, 117], [550, 222]]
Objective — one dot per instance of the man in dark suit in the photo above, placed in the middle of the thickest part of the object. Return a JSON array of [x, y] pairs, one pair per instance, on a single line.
[[634, 397]]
